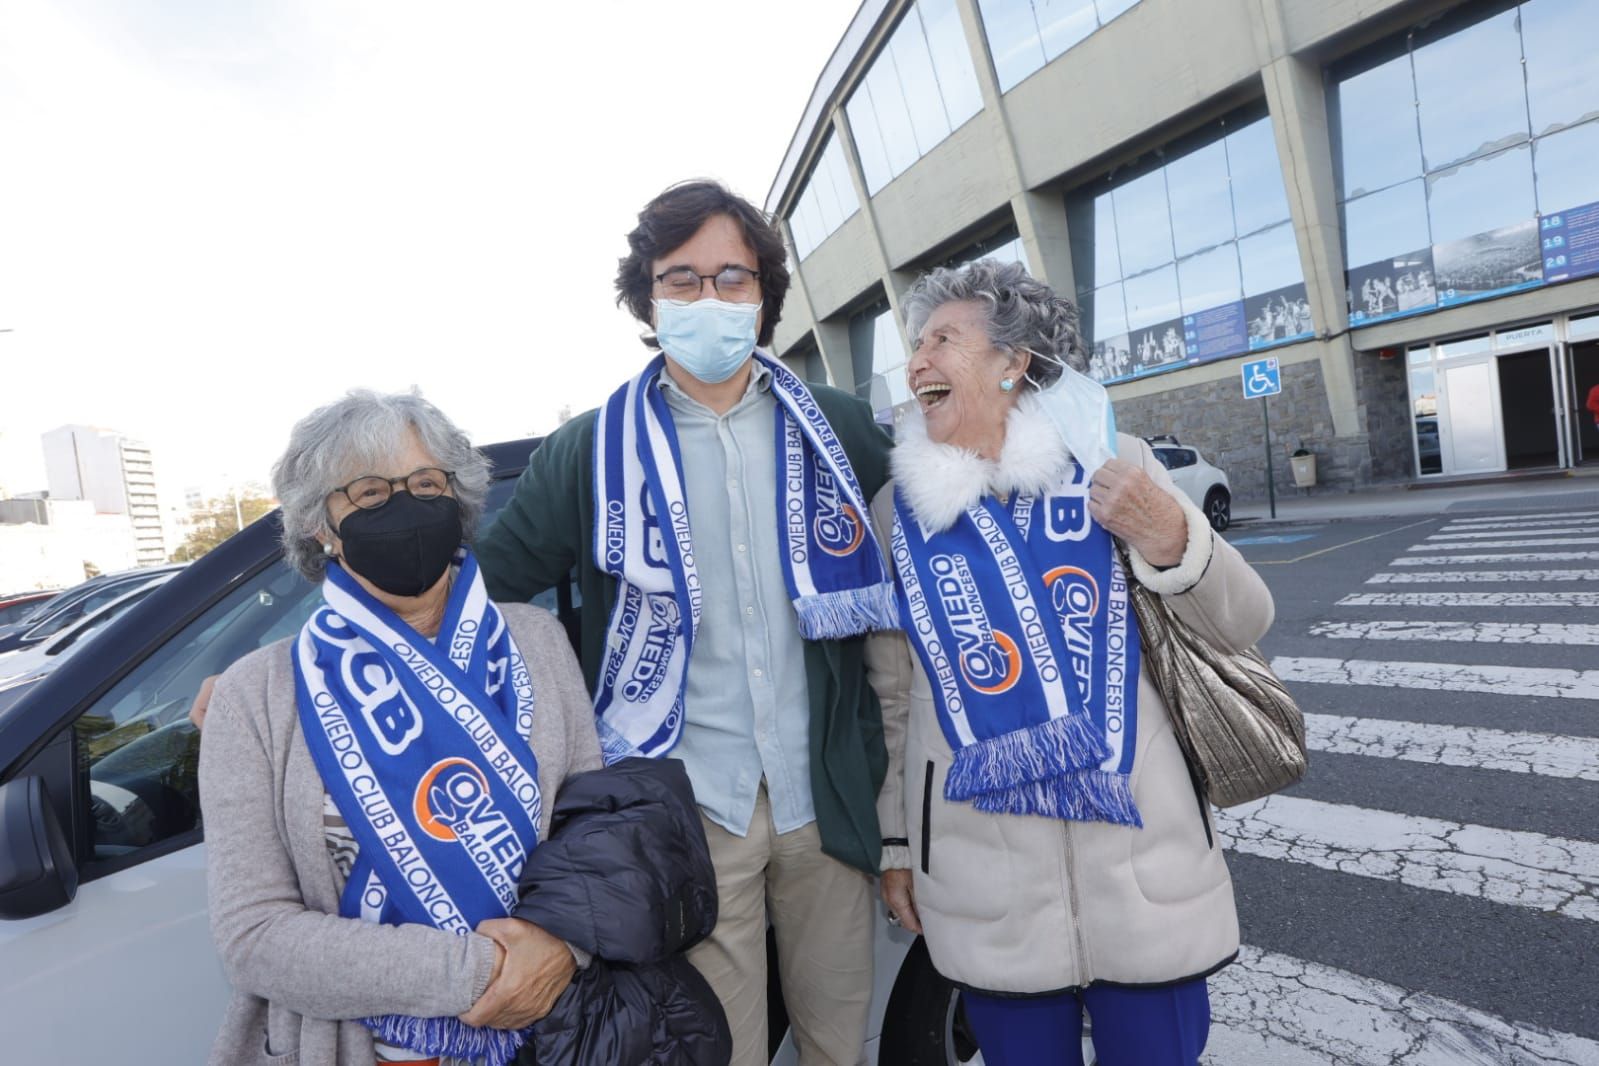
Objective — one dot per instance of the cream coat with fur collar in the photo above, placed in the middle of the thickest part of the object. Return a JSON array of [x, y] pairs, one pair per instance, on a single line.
[[1026, 904]]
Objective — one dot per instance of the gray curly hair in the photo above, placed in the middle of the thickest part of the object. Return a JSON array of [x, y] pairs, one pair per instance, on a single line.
[[1023, 313], [358, 435]]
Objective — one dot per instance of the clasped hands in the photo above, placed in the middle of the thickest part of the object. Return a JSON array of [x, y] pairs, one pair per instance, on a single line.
[[531, 970]]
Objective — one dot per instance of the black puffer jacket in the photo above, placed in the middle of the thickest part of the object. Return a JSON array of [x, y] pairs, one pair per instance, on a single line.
[[626, 875]]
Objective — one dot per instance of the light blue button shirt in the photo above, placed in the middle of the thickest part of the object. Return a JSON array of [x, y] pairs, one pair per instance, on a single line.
[[747, 709]]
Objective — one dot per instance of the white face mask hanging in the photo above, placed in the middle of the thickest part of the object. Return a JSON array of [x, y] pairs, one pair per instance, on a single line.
[[1080, 408]]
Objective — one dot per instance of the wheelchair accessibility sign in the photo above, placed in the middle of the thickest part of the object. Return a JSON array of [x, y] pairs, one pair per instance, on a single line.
[[1262, 378]]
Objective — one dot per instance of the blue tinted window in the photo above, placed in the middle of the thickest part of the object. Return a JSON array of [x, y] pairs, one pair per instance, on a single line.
[[1023, 36], [827, 199], [868, 140], [1143, 224], [1107, 312], [1091, 222], [917, 90], [1152, 298], [1259, 198], [952, 60], [1481, 195], [1209, 279], [1269, 260], [1201, 204], [1062, 23], [1558, 37], [1377, 137], [1013, 39], [1567, 165], [1471, 92], [908, 49], [1387, 223]]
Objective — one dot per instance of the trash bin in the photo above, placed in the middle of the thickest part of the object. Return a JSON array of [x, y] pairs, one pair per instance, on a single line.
[[1304, 470]]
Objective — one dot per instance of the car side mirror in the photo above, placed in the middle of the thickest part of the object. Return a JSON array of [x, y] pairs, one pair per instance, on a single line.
[[37, 871]]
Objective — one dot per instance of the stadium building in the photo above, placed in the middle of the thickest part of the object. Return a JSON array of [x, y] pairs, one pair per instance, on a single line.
[[1397, 201]]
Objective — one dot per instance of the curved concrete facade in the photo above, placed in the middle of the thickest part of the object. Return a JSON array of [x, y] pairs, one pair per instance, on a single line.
[[1076, 119]]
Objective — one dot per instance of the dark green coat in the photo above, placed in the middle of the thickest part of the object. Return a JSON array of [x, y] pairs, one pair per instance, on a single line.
[[547, 528]]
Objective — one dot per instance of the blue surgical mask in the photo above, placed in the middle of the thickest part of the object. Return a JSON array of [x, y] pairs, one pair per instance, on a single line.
[[1080, 408], [708, 338]]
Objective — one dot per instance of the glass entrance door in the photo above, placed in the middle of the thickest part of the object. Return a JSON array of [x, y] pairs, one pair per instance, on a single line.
[[1473, 443]]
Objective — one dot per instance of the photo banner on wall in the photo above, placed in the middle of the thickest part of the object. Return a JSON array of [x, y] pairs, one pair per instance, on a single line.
[[1390, 288], [1281, 316], [1496, 263], [1570, 243]]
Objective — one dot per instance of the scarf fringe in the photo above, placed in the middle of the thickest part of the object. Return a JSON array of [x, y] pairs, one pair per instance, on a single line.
[[1025, 756], [1089, 795], [847, 612], [448, 1038]]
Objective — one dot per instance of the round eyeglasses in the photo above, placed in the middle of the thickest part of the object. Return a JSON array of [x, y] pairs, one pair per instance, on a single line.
[[370, 491], [735, 284]]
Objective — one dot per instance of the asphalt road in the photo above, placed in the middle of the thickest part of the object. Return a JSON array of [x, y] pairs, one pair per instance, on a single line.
[[1446, 840]]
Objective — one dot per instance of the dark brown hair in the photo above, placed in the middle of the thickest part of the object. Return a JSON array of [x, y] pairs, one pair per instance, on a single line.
[[669, 220]]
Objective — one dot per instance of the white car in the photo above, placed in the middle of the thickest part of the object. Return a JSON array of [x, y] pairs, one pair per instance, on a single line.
[[103, 931], [1203, 483]]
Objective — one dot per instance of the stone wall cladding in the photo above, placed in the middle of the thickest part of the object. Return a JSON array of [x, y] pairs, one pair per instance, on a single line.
[[1227, 429], [1385, 410]]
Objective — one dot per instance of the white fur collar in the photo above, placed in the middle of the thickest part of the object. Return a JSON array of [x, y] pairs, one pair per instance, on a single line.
[[941, 481]]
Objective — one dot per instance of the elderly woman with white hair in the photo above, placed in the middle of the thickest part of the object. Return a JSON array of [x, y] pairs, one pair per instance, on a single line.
[[1042, 830], [374, 790]]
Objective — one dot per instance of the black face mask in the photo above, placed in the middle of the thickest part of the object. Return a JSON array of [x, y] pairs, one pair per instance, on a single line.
[[405, 546]]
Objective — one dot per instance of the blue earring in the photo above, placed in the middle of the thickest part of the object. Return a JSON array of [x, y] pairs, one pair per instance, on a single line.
[[1006, 385]]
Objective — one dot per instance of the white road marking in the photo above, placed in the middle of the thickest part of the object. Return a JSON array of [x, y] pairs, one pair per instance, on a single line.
[[1451, 677], [1282, 1011], [1522, 516], [1470, 632], [1543, 754], [1481, 535], [1531, 525], [1470, 599], [1428, 577], [1502, 544], [1553, 875], [1508, 557]]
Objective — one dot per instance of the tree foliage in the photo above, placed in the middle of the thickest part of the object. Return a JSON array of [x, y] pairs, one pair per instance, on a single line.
[[217, 520]]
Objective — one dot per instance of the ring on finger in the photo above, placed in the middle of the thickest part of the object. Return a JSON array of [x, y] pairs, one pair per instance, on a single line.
[[893, 919]]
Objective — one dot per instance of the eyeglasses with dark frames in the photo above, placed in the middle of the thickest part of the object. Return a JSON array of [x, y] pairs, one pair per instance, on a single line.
[[370, 491], [733, 283]]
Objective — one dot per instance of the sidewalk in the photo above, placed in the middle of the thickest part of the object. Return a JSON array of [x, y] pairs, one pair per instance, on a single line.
[[1570, 490]]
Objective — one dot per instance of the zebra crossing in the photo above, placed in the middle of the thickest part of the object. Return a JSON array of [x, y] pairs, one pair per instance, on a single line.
[[1460, 678]]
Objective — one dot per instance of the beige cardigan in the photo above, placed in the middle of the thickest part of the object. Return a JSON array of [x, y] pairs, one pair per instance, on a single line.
[[1027, 904], [301, 973]]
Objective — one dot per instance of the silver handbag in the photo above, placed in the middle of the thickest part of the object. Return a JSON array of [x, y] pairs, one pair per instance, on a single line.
[[1241, 732]]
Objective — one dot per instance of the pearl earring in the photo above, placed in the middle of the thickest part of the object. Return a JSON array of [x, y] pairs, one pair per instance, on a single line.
[[1006, 385], [327, 549]]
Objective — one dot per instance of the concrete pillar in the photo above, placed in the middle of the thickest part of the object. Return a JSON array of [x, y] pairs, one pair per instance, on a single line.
[[1297, 101]]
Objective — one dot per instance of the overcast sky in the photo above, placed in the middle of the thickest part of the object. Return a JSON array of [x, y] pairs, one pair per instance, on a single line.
[[216, 215]]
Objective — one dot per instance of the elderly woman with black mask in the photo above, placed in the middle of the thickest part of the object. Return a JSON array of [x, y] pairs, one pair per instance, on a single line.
[[375, 788]]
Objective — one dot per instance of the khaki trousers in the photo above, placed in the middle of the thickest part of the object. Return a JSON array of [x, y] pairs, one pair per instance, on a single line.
[[821, 911]]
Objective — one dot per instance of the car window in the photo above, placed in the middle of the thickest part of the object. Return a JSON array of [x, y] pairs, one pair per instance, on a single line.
[[81, 607], [1164, 455], [1181, 457], [136, 744], [16, 612]]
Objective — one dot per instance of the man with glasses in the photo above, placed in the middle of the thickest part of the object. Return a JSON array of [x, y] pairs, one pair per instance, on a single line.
[[714, 509]]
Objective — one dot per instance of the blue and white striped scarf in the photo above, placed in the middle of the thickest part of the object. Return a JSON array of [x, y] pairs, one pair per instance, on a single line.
[[1021, 618], [424, 747], [836, 575]]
